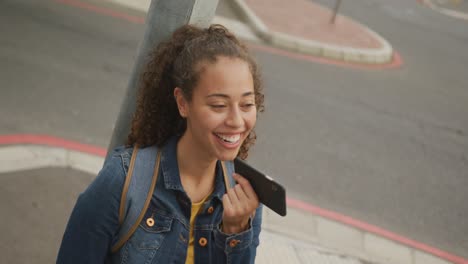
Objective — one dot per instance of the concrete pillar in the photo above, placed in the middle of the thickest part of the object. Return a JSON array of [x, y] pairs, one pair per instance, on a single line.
[[163, 18]]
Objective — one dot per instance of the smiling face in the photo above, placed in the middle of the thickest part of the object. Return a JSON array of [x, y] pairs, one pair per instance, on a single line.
[[222, 111]]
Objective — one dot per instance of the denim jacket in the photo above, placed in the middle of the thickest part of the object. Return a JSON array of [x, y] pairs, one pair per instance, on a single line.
[[94, 224]]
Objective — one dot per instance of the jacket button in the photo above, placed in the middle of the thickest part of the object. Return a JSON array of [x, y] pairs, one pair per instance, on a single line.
[[150, 222], [202, 241], [210, 210], [234, 243]]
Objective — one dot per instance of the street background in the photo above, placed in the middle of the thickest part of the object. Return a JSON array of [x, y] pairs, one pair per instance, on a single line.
[[388, 147]]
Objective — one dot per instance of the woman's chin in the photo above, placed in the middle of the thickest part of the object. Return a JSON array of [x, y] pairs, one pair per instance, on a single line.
[[228, 155]]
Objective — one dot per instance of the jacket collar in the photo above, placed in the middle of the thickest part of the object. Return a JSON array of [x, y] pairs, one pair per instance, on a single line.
[[171, 175]]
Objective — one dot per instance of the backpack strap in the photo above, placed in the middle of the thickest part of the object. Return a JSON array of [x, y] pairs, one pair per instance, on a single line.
[[228, 170], [138, 189]]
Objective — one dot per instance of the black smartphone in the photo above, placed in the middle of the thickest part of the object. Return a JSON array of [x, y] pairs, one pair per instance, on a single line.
[[269, 192]]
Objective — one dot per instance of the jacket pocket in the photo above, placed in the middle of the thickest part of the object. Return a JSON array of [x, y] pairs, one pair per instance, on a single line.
[[150, 240], [152, 231]]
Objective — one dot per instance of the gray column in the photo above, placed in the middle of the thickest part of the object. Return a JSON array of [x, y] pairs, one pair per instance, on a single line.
[[163, 18]]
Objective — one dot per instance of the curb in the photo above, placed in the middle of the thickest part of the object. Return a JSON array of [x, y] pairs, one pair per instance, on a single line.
[[307, 224], [240, 29], [336, 52], [445, 11], [25, 152], [380, 56], [245, 32], [353, 241]]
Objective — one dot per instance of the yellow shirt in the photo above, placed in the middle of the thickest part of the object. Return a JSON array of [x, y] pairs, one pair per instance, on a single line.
[[195, 210]]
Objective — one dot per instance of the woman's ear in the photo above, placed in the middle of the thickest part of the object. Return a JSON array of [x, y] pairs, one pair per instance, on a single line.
[[182, 104]]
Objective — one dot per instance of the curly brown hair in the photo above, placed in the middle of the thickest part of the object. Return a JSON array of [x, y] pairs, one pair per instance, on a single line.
[[174, 64]]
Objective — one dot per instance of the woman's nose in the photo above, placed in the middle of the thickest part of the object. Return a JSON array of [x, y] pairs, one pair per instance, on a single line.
[[235, 118]]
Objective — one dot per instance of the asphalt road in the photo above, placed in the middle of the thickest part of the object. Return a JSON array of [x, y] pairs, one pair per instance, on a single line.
[[388, 147]]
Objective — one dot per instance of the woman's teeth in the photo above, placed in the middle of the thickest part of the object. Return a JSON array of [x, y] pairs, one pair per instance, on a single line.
[[229, 139]]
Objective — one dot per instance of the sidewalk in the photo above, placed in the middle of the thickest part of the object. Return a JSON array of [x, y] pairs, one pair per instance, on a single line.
[[273, 22], [303, 26], [39, 186], [41, 177]]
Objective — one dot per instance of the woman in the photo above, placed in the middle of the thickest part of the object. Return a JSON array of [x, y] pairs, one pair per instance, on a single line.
[[197, 105]]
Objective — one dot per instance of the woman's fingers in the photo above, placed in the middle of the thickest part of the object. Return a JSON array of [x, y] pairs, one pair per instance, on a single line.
[[241, 195], [233, 198], [227, 202], [240, 203], [243, 198], [246, 186]]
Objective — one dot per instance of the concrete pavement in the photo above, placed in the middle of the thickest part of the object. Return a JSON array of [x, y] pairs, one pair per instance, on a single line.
[[39, 185], [273, 22], [304, 26], [41, 177]]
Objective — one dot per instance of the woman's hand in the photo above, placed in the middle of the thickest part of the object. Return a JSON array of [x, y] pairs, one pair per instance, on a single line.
[[239, 204]]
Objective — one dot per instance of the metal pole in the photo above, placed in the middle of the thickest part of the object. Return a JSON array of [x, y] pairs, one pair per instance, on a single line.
[[162, 19], [335, 11]]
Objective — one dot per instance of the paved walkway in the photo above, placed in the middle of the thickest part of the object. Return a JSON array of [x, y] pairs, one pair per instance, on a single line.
[[38, 189], [304, 26], [301, 26], [41, 177], [308, 20]]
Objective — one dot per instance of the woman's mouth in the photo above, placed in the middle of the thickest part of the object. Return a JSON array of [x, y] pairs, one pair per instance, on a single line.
[[228, 141]]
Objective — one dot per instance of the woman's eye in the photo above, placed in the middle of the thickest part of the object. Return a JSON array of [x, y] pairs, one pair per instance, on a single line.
[[248, 105], [218, 106]]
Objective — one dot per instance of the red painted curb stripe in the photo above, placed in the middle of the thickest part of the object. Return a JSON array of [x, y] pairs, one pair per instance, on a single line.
[[374, 230], [101, 10], [395, 63], [297, 204], [51, 141]]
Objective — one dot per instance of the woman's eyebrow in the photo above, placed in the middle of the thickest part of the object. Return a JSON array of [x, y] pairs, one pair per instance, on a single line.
[[227, 96]]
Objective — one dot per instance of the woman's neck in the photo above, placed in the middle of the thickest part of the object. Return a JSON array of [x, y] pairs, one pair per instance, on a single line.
[[192, 163]]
